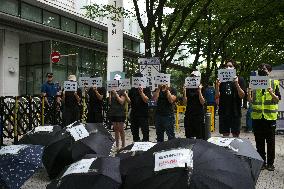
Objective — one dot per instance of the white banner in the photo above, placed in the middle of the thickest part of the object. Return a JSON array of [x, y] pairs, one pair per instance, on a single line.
[[124, 84], [192, 82], [44, 129], [96, 82], [142, 146], [151, 60], [78, 132], [163, 79], [70, 86], [81, 166], [220, 141], [259, 82], [13, 149], [112, 85], [226, 75], [84, 82], [150, 71], [139, 82], [173, 158]]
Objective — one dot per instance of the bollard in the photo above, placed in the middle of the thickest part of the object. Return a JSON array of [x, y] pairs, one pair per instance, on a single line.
[[16, 120], [207, 129]]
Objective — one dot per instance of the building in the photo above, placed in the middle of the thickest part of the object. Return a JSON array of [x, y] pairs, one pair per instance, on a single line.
[[31, 29]]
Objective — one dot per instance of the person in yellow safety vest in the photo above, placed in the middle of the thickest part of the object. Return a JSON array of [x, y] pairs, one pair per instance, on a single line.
[[264, 116]]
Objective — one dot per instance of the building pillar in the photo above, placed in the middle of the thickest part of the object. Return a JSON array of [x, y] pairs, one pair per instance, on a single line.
[[115, 42], [9, 63]]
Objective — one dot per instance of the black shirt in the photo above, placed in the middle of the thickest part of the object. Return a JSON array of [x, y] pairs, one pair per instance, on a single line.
[[193, 106], [230, 103], [70, 99], [138, 106], [164, 107], [96, 105]]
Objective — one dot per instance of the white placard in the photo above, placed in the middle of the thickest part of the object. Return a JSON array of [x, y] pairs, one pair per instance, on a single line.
[[96, 82], [44, 129], [84, 82], [81, 166], [173, 158], [163, 79], [192, 82], [150, 71], [13, 149], [226, 75], [259, 82], [150, 60], [139, 82], [124, 84], [78, 132], [70, 86], [142, 146], [220, 141], [112, 85]]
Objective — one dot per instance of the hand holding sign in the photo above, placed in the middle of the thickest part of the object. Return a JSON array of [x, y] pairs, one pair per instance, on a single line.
[[225, 75], [259, 82], [163, 79], [192, 82]]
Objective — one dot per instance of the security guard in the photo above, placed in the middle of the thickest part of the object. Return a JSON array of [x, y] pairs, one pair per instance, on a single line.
[[264, 116]]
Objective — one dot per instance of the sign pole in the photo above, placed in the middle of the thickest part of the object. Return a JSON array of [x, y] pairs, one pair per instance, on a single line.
[[50, 63]]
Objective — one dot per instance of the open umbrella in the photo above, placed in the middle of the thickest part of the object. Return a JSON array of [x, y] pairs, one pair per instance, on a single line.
[[18, 163], [185, 163], [40, 135], [72, 143], [88, 173], [244, 150], [134, 149]]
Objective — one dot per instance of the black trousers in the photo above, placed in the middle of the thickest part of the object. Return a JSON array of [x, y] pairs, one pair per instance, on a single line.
[[264, 130], [136, 123], [70, 115], [194, 126]]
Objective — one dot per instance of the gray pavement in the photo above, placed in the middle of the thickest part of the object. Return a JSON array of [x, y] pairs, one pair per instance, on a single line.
[[267, 179]]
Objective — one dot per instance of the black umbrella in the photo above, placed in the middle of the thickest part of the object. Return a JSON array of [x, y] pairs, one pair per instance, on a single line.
[[244, 150], [211, 167], [18, 163], [40, 135], [129, 151], [88, 173], [72, 143]]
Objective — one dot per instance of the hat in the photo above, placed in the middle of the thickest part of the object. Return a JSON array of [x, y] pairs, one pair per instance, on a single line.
[[49, 74], [72, 77], [196, 73], [117, 77]]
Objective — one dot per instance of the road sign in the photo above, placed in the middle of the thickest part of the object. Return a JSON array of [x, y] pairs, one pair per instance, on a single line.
[[55, 56]]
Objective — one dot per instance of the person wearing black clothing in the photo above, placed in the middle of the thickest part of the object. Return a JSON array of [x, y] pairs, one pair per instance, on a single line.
[[95, 105], [194, 115], [165, 97], [230, 96], [71, 104], [138, 99]]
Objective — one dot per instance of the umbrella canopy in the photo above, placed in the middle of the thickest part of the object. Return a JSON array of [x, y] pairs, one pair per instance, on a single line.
[[40, 135], [244, 150], [88, 173], [185, 163], [18, 163], [72, 143], [134, 149]]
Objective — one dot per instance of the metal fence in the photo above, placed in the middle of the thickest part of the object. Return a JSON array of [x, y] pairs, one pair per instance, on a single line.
[[20, 114]]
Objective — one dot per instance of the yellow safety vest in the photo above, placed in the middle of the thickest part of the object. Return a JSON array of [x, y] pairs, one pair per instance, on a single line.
[[263, 105]]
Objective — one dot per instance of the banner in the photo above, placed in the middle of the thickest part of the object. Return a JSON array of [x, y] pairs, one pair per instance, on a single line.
[[139, 82], [225, 75], [163, 79], [259, 82], [70, 86], [192, 82]]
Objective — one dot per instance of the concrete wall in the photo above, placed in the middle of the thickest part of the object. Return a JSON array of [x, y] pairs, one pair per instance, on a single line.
[[9, 63]]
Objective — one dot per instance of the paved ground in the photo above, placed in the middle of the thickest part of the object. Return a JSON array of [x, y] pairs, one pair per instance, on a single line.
[[267, 180]]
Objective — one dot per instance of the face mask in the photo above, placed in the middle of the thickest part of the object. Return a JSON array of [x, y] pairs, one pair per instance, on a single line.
[[262, 73]]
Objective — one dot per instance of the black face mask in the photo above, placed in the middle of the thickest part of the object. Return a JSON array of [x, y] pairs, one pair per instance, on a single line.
[[262, 73]]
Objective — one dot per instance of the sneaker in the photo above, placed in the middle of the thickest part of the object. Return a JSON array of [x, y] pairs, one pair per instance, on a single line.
[[263, 166], [270, 167]]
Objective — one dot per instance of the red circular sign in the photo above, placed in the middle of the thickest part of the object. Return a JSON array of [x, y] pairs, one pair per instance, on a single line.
[[55, 56]]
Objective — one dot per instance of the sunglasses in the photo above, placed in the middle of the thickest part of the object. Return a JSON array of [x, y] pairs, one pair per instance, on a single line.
[[50, 76]]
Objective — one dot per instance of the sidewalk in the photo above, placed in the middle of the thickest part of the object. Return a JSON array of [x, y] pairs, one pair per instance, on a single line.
[[267, 179]]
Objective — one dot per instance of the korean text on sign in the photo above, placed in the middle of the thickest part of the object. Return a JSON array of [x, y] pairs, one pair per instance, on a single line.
[[192, 82], [259, 82], [226, 75]]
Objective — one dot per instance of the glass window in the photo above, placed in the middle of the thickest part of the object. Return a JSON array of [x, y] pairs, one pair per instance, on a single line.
[[51, 19], [127, 44], [136, 46], [68, 25], [34, 53], [105, 36], [46, 52], [97, 34], [9, 7], [31, 13], [83, 29], [34, 80]]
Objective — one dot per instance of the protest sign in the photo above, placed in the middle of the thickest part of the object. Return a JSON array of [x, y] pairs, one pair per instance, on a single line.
[[124, 84], [84, 82], [78, 132], [142, 146], [96, 82], [81, 166], [139, 82], [70, 86], [163, 79], [259, 82], [112, 85], [192, 82], [225, 75]]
